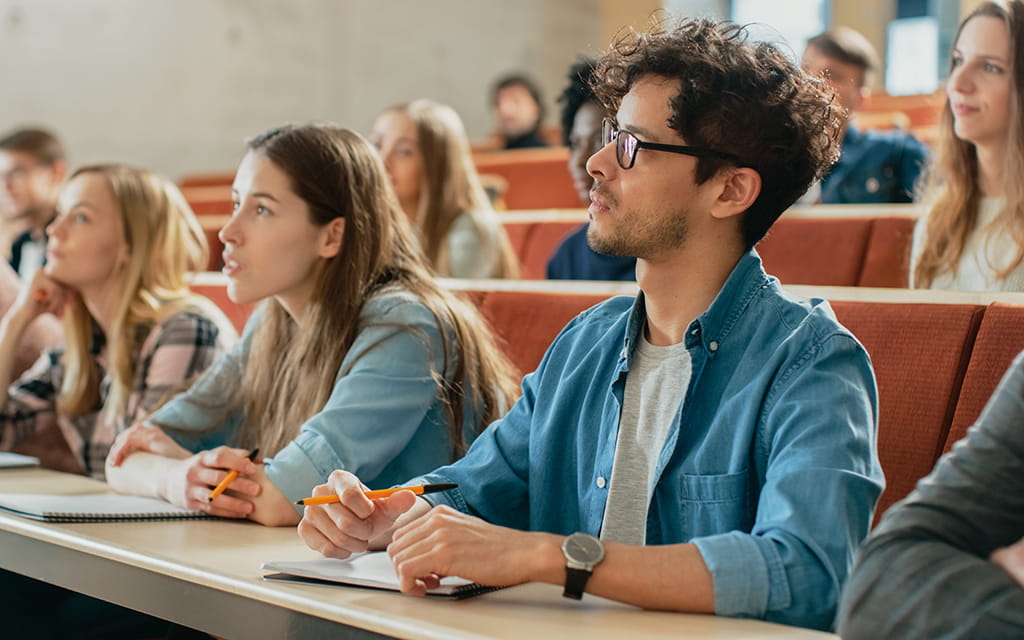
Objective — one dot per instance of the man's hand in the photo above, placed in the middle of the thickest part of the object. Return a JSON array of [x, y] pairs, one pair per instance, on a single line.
[[356, 523], [446, 542], [1011, 559]]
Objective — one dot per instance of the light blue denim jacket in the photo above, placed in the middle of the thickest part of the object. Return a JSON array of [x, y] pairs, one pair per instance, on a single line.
[[771, 470], [383, 421]]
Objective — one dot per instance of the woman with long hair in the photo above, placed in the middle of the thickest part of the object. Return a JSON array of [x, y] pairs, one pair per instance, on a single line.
[[117, 260], [427, 157], [973, 235], [357, 359]]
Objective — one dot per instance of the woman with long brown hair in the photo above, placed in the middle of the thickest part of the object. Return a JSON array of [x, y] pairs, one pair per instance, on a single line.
[[973, 235], [427, 157], [357, 359]]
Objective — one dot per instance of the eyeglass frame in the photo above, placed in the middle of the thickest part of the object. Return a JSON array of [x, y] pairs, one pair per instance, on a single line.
[[608, 125]]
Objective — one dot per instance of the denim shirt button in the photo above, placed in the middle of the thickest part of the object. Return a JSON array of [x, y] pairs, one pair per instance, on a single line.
[[713, 345], [601, 482]]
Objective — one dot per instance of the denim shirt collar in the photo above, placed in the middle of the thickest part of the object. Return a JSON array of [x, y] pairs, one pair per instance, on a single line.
[[710, 329]]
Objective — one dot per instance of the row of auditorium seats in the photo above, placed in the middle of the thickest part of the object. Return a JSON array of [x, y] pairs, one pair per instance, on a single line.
[[805, 246], [529, 179], [937, 355]]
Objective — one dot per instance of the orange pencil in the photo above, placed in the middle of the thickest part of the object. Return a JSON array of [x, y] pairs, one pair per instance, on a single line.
[[419, 489], [228, 479]]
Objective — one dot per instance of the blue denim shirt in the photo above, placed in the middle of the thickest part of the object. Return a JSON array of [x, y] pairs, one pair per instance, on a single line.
[[771, 469], [874, 167], [384, 421]]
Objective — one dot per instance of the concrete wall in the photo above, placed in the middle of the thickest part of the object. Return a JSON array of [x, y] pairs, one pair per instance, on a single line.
[[177, 85]]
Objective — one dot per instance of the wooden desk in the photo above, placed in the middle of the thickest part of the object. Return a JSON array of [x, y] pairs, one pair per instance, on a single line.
[[205, 574]]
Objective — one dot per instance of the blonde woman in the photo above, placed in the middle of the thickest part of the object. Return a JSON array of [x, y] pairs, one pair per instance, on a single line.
[[116, 264], [973, 236], [357, 359], [427, 157]]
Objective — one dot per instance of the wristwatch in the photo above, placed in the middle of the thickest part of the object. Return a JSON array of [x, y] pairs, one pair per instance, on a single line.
[[582, 553]]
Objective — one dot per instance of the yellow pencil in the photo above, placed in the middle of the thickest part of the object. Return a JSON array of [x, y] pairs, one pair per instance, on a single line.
[[418, 489], [228, 479]]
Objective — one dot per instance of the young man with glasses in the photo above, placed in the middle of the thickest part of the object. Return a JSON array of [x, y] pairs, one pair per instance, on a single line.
[[32, 167], [680, 450]]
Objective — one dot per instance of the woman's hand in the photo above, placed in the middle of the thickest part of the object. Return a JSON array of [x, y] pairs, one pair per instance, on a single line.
[[42, 295], [140, 437], [189, 482]]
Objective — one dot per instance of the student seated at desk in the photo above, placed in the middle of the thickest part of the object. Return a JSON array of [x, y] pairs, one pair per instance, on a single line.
[[701, 429], [948, 562], [972, 238], [358, 359], [117, 262], [427, 157]]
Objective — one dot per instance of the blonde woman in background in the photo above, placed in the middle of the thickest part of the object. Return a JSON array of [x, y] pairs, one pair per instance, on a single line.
[[117, 260], [357, 360], [427, 157], [973, 236]]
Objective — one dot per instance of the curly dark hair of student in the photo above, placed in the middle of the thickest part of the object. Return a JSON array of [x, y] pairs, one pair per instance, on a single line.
[[576, 94], [742, 98]]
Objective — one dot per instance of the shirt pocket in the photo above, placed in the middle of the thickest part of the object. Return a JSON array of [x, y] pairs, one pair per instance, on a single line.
[[713, 504]]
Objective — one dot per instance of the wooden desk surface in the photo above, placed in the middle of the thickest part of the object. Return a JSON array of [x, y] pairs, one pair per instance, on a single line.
[[206, 574]]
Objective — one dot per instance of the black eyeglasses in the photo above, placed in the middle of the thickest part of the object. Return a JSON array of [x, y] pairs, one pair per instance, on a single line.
[[627, 145]]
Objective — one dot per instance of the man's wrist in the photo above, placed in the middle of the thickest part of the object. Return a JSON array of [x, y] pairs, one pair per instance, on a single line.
[[548, 560]]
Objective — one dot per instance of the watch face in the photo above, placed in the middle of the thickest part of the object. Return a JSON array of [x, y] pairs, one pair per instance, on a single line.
[[583, 548]]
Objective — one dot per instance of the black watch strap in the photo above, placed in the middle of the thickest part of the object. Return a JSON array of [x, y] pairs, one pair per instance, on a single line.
[[575, 582]]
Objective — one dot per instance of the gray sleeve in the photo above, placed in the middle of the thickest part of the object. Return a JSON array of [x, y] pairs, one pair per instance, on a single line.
[[924, 572]]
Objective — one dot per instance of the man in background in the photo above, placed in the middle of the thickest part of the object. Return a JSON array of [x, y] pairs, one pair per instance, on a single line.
[[873, 166], [32, 167], [519, 110]]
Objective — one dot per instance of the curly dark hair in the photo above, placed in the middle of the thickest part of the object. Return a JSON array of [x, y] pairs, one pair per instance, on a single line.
[[576, 94], [744, 99]]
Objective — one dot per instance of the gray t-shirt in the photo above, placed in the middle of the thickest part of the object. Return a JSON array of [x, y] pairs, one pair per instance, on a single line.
[[655, 388]]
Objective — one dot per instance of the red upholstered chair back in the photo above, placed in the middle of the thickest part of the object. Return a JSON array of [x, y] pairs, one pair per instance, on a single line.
[[537, 178], [824, 251], [519, 237], [526, 322], [887, 260], [542, 244], [919, 353], [1000, 339]]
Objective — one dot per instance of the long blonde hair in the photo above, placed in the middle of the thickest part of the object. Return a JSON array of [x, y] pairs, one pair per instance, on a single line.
[[952, 193], [162, 243], [292, 368], [451, 186]]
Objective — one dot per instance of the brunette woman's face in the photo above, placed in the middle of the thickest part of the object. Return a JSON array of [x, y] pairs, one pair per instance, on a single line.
[[271, 244], [86, 243], [394, 136], [980, 85]]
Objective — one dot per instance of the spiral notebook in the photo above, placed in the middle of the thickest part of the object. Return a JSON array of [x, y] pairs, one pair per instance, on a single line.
[[92, 507], [371, 570]]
